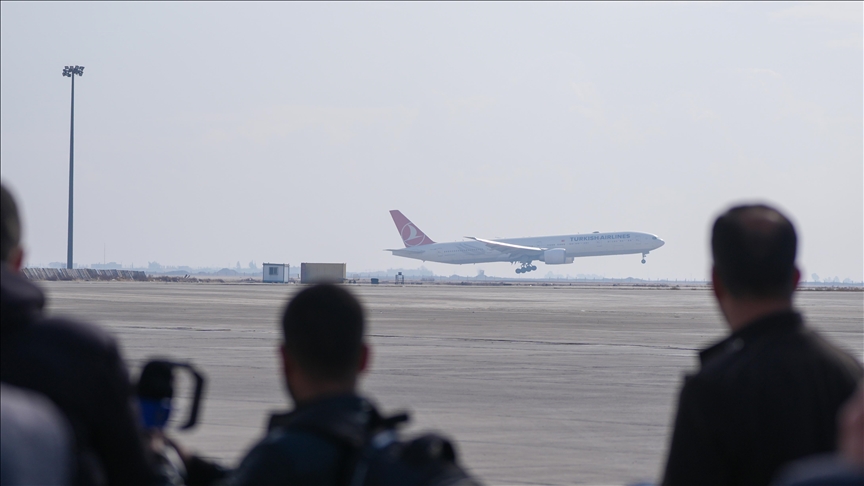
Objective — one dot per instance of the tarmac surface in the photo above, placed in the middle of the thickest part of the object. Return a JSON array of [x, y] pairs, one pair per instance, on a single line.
[[537, 385]]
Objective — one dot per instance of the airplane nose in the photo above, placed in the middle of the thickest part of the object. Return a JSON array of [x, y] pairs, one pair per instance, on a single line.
[[660, 242]]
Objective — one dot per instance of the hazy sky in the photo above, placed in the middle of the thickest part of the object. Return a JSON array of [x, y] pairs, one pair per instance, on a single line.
[[208, 133]]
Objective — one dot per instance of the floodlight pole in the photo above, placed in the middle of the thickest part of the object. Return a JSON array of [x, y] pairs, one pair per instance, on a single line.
[[71, 72]]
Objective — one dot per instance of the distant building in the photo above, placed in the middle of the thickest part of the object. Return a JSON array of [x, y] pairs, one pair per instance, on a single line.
[[106, 266], [275, 272]]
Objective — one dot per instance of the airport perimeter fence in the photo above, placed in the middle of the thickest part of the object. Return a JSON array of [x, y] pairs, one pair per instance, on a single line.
[[87, 274]]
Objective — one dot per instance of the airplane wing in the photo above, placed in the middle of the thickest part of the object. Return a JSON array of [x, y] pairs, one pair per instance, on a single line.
[[516, 252], [405, 250]]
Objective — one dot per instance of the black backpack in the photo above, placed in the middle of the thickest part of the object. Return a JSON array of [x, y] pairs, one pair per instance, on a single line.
[[426, 460], [382, 458]]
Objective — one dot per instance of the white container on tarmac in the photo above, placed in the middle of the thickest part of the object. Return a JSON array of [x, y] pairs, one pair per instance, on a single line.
[[322, 273], [275, 272]]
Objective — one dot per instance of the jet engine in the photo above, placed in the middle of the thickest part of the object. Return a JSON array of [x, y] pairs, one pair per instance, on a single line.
[[556, 256]]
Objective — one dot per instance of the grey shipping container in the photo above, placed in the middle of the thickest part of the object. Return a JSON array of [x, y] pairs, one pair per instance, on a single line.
[[322, 272]]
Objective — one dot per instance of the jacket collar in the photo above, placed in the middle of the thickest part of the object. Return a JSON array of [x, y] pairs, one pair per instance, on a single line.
[[345, 417], [779, 322]]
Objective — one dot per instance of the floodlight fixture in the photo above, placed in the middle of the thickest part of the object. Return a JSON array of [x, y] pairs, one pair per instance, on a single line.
[[70, 71]]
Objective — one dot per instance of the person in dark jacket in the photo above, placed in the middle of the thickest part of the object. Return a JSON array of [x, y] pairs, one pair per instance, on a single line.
[[323, 354], [770, 392], [75, 365], [846, 467]]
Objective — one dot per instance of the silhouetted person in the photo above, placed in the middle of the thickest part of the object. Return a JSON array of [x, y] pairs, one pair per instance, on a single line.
[[75, 365], [324, 440], [35, 440], [770, 392]]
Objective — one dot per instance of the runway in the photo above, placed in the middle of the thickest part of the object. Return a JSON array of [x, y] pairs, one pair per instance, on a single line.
[[538, 385]]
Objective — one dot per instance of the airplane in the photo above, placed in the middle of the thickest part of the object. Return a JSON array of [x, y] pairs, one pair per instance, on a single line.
[[552, 250]]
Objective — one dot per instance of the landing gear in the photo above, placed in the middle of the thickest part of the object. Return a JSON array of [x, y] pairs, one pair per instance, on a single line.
[[525, 268], [643, 257]]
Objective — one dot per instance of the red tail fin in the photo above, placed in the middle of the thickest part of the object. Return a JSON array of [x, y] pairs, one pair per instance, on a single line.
[[410, 233]]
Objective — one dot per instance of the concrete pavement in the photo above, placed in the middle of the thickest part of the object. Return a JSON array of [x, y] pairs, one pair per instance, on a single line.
[[538, 385]]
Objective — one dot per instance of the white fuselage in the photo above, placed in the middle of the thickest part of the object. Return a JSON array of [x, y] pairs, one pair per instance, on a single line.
[[578, 245]]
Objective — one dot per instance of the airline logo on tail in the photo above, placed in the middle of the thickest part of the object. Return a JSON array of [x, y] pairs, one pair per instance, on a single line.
[[410, 233]]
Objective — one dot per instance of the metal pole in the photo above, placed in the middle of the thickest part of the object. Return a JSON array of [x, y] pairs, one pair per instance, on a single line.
[[71, 175]]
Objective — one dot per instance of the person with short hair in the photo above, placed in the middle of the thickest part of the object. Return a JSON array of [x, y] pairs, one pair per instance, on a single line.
[[75, 365], [770, 392], [327, 438], [323, 353]]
